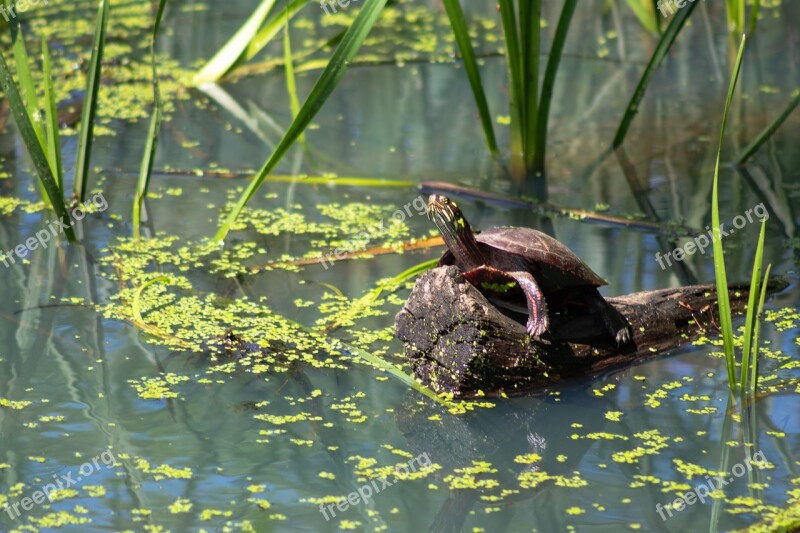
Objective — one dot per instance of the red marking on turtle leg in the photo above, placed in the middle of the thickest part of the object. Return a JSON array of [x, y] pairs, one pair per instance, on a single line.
[[538, 321]]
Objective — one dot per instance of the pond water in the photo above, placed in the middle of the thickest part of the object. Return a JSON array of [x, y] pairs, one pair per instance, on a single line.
[[100, 363]]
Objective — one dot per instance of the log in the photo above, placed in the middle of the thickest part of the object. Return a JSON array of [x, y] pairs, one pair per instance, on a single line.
[[458, 342]]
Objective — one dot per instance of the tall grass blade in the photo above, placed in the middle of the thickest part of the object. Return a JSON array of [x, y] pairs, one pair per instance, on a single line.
[[461, 33], [26, 85], [747, 343], [291, 84], [645, 12], [229, 54], [516, 91], [735, 11], [325, 85], [757, 331], [146, 168], [754, 16], [51, 119], [768, 131], [560, 37], [40, 163], [270, 30], [86, 138], [28, 89], [723, 300], [664, 44], [392, 369], [530, 15]]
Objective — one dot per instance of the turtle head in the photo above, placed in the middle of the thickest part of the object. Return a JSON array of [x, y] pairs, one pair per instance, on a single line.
[[455, 230]]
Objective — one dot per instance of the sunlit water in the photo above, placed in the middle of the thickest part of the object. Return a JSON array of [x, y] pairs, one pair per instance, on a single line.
[[614, 449]]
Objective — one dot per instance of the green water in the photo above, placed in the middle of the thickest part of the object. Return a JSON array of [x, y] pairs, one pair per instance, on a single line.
[[239, 447]]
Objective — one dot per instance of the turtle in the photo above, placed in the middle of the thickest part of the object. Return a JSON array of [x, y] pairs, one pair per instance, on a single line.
[[502, 261]]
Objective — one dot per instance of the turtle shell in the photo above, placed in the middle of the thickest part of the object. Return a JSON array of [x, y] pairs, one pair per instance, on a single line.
[[552, 264]]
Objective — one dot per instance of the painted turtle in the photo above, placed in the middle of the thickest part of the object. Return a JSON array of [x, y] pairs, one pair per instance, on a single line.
[[501, 261]]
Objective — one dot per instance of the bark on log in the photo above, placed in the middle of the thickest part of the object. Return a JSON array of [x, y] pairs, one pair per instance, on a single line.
[[458, 342]]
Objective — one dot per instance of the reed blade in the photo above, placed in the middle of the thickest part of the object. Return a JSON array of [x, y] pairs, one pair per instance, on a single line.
[[51, 119], [753, 147], [754, 16], [40, 163], [662, 48], [516, 92], [560, 37], [86, 139], [723, 300], [291, 84], [757, 331], [323, 88], [645, 12], [270, 30], [26, 84], [461, 33], [151, 146], [27, 88], [530, 15], [747, 343], [224, 60]]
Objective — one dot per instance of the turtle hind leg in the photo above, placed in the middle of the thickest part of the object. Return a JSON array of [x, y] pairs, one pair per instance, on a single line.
[[538, 321], [615, 323]]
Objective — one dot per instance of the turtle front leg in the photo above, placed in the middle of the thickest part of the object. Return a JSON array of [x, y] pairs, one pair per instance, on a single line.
[[486, 277], [538, 322]]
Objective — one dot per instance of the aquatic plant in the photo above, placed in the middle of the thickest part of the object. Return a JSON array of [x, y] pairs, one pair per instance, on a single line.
[[86, 137], [26, 116], [529, 104], [42, 141], [749, 370], [736, 12], [645, 11], [251, 38], [662, 48], [767, 132], [146, 169], [327, 82]]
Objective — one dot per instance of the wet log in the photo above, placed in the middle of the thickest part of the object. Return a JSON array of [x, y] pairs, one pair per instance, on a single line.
[[458, 342]]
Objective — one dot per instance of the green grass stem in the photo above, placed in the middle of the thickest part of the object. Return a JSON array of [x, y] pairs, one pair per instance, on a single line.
[[151, 146], [762, 137], [723, 299], [662, 48], [51, 119], [53, 193], [86, 136], [461, 33]]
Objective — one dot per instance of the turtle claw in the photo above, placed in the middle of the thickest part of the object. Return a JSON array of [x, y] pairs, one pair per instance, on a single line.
[[536, 328], [623, 336]]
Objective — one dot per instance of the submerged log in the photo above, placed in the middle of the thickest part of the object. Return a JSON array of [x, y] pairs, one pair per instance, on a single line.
[[458, 342]]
